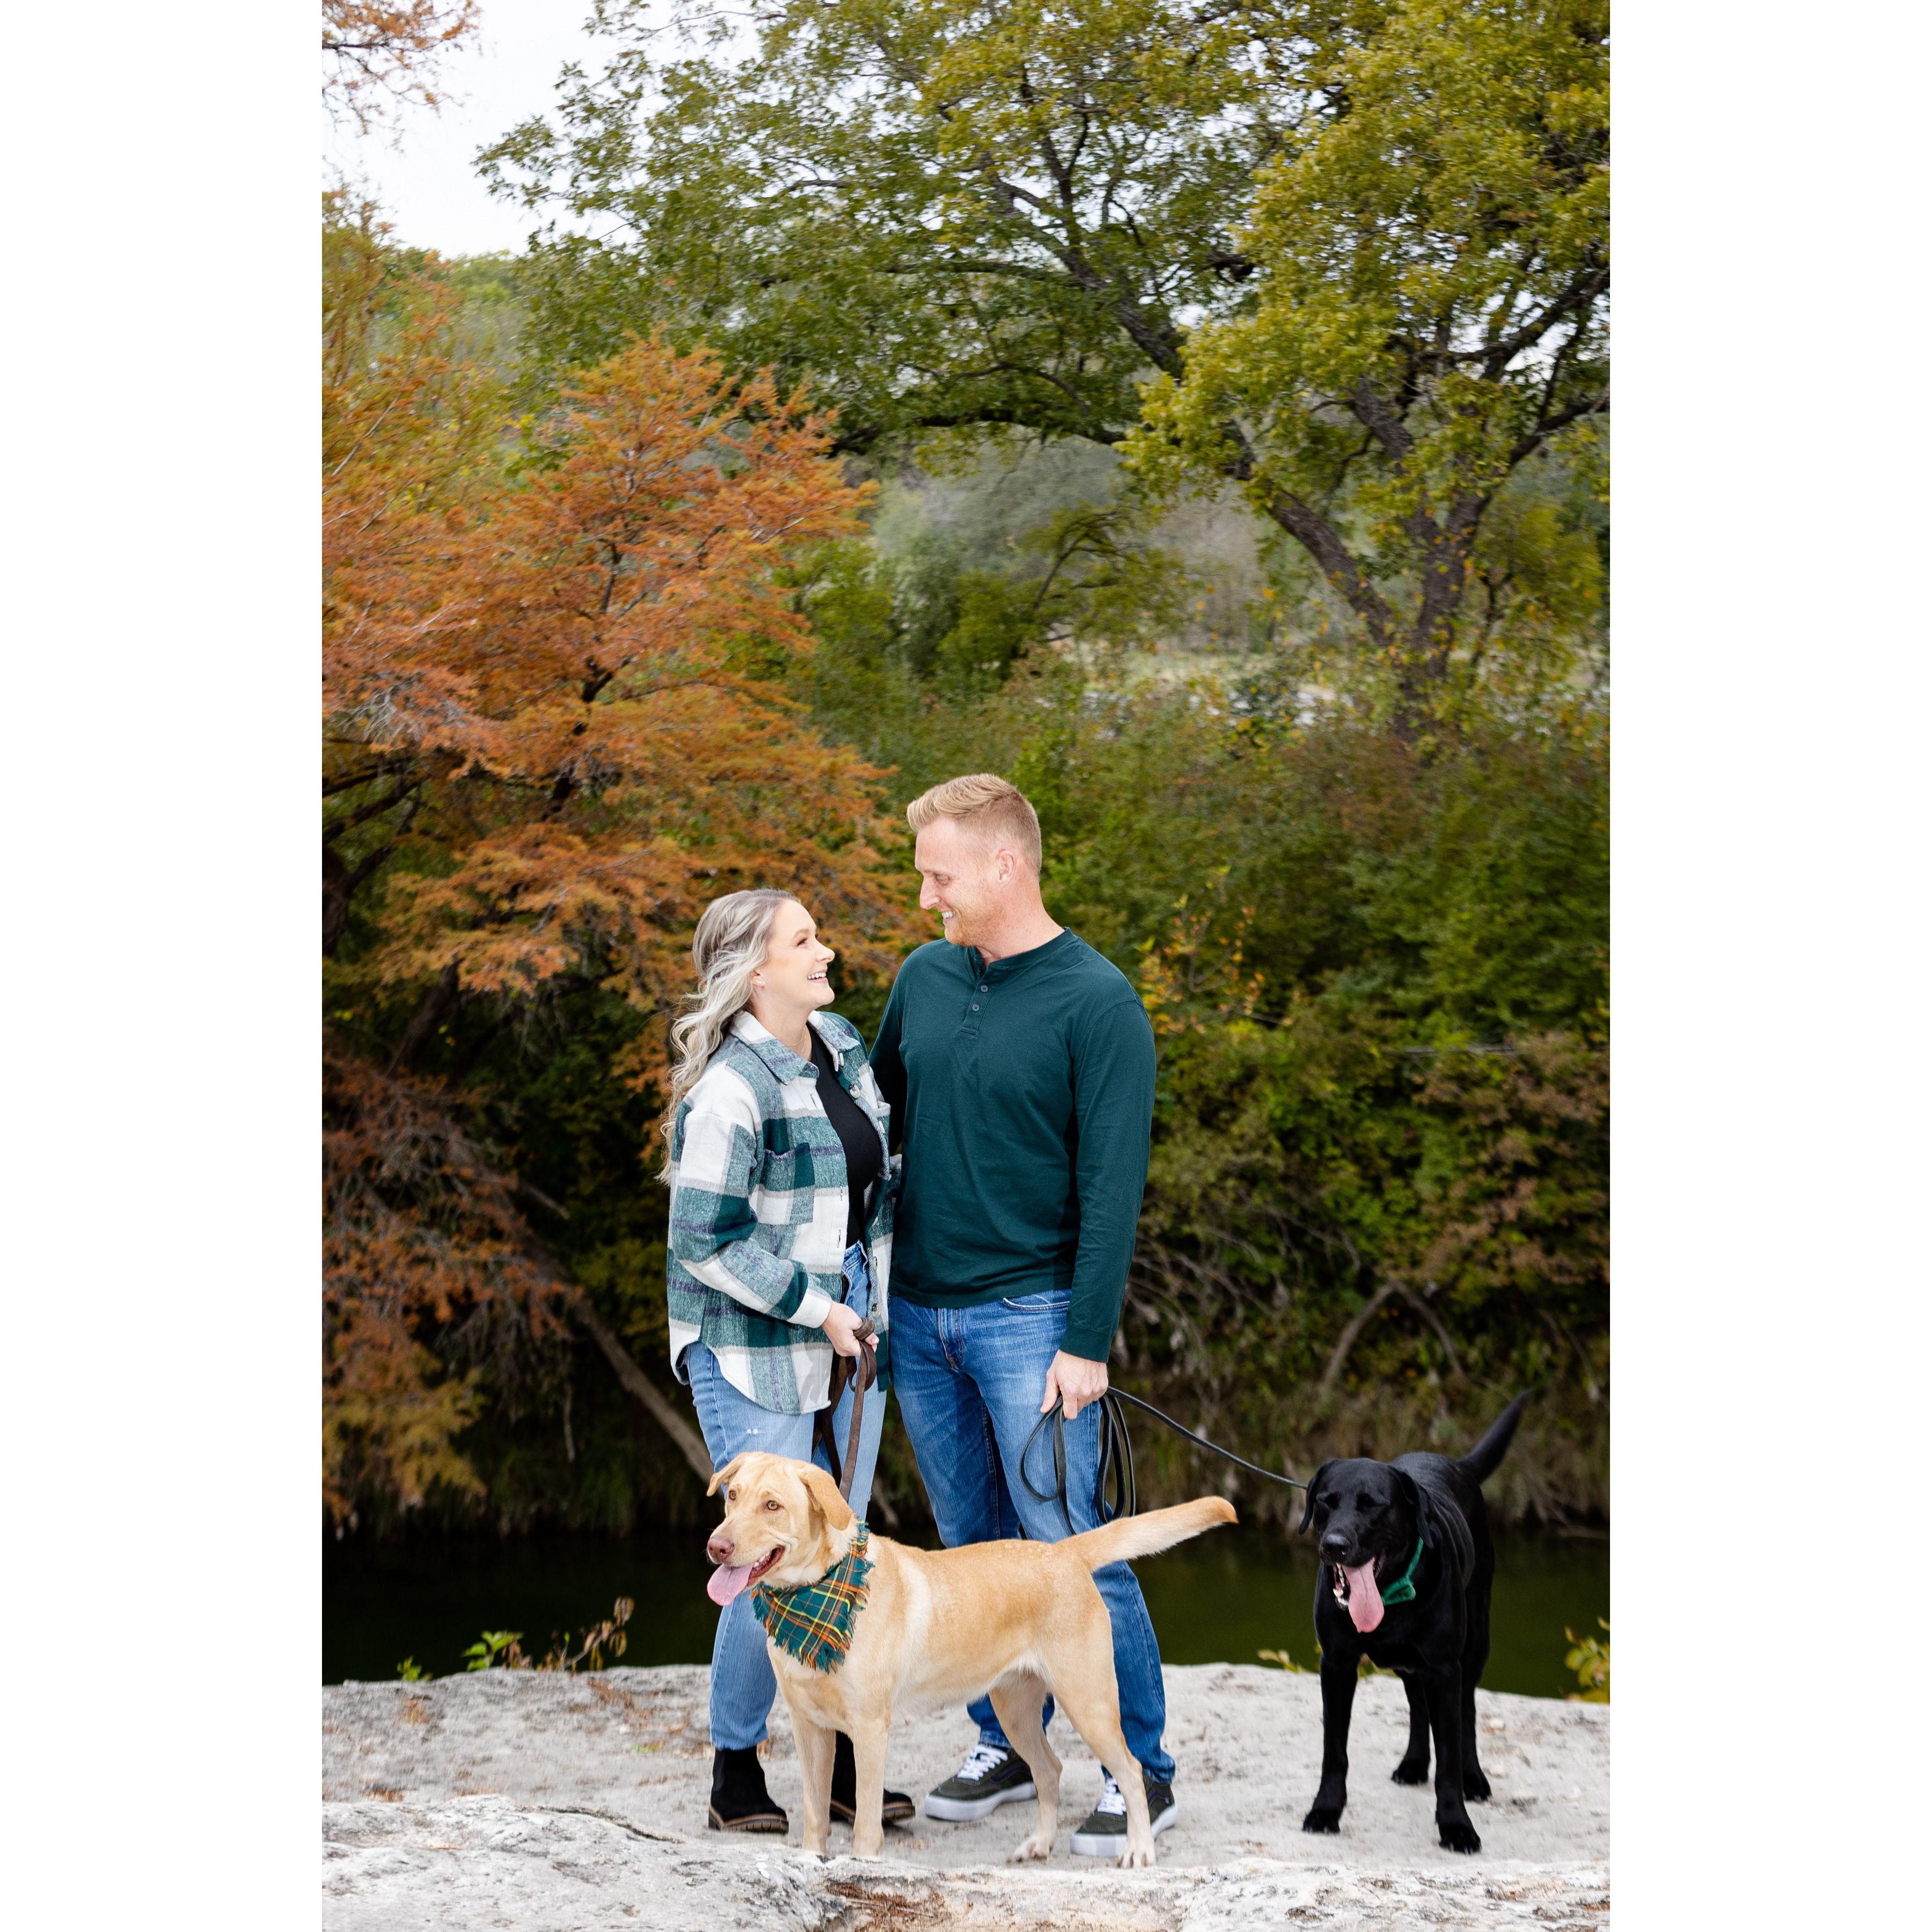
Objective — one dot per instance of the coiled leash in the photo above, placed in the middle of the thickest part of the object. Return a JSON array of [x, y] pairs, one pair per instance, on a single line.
[[863, 1374], [1115, 1468]]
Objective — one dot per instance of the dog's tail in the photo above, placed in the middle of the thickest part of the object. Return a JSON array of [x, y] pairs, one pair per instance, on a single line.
[[1127, 1536], [1482, 1461]]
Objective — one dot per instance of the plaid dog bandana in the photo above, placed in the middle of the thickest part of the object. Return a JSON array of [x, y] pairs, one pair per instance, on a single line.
[[814, 1620]]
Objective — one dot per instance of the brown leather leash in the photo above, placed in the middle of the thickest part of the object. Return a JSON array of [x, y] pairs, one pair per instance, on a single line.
[[862, 1375]]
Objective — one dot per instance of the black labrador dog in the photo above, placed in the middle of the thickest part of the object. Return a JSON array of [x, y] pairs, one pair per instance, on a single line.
[[1406, 1566]]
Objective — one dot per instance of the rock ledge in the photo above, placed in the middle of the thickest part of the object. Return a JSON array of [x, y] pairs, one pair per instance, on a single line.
[[540, 1803]]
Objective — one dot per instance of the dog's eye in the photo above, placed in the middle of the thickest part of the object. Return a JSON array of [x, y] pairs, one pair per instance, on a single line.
[[730, 1495], [771, 1503]]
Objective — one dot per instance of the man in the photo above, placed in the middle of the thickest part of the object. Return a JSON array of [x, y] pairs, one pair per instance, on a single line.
[[1020, 1065]]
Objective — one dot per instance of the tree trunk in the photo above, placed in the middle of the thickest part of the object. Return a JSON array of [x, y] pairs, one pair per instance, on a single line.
[[649, 1397], [437, 1003], [1351, 1335]]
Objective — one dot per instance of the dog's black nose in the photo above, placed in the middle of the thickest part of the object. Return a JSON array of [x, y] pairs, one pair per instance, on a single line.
[[1334, 1547]]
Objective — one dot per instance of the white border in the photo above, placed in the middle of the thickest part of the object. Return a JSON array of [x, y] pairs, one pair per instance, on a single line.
[[161, 1619], [160, 1622], [1769, 829]]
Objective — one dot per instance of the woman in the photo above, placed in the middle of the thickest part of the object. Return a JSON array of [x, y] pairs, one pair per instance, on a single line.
[[780, 1248]]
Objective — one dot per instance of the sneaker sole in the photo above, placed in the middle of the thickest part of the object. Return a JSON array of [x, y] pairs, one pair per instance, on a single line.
[[963, 1810], [1111, 1844], [889, 1813]]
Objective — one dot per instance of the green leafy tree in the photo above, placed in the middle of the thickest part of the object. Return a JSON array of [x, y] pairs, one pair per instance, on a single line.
[[950, 215], [1430, 314]]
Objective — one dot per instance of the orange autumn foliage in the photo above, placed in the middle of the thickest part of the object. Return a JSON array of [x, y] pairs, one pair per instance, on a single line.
[[546, 746], [378, 55]]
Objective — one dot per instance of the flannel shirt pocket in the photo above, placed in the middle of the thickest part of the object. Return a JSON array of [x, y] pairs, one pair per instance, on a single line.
[[786, 1180]]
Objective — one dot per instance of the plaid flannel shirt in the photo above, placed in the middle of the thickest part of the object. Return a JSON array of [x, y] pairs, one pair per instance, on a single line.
[[758, 1203]]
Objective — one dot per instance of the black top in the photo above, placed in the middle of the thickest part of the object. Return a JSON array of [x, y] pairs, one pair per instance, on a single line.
[[864, 1160]]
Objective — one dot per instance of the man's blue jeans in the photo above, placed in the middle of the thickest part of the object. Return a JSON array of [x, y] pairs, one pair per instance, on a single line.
[[969, 1382], [742, 1685]]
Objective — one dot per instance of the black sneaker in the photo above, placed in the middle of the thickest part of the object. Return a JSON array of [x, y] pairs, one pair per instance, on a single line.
[[896, 1807], [739, 1801], [991, 1777], [1104, 1834]]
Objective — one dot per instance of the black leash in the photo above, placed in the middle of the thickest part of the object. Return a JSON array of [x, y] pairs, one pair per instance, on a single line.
[[1115, 1468]]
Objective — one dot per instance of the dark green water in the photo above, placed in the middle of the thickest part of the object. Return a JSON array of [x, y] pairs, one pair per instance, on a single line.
[[1219, 1600]]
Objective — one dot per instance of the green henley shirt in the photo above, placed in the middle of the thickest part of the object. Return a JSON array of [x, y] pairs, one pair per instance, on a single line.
[[1022, 1096]]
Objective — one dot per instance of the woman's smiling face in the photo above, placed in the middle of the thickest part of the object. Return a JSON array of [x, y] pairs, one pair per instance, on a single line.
[[794, 972]]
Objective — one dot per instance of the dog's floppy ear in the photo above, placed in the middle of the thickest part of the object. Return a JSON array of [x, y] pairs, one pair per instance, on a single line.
[[1441, 1524], [826, 1499], [1314, 1487], [725, 1474]]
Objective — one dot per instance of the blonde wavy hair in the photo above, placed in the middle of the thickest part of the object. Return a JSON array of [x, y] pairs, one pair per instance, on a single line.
[[727, 948]]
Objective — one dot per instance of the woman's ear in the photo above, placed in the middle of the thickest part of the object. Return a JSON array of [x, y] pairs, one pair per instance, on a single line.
[[826, 1499], [725, 1475], [1314, 1490]]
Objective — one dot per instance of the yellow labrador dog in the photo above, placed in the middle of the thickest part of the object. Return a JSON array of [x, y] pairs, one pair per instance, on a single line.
[[941, 1627]]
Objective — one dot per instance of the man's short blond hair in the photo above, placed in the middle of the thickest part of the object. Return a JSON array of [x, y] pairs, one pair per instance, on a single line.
[[987, 803]]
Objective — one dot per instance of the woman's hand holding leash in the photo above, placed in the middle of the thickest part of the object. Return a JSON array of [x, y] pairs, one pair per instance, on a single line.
[[1074, 1381], [841, 1329]]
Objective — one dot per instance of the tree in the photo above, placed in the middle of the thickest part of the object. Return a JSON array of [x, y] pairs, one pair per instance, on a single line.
[[1022, 203], [953, 215], [543, 749], [379, 56], [1430, 313]]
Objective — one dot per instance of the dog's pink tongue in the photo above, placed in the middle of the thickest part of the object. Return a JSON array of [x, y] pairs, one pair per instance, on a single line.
[[1365, 1600], [728, 1580]]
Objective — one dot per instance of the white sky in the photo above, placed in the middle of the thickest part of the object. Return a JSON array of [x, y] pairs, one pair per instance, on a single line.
[[429, 186]]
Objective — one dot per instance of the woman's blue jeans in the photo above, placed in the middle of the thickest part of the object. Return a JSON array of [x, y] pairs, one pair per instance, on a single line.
[[969, 1382], [742, 1686]]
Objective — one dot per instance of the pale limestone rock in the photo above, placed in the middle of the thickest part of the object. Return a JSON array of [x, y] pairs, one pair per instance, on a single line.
[[548, 1803]]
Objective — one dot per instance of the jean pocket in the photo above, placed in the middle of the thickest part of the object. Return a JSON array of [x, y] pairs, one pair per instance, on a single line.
[[1054, 1301]]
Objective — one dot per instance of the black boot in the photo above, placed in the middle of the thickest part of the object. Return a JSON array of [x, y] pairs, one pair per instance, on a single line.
[[897, 1807], [739, 1801]]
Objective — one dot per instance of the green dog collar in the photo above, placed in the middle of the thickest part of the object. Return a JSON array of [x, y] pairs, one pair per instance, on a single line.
[[1403, 1590]]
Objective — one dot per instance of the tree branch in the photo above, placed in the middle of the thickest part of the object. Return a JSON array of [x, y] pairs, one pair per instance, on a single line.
[[1496, 356], [1352, 1334], [1323, 542], [437, 1003], [1528, 445], [1381, 421], [1429, 1315], [637, 1383]]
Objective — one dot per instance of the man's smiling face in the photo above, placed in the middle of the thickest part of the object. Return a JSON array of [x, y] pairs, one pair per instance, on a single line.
[[959, 871]]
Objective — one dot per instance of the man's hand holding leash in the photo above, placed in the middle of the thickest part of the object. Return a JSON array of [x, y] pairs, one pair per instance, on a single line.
[[1075, 1381]]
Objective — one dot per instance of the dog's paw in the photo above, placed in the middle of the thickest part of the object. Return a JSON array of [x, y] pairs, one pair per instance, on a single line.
[[1458, 1834], [1411, 1771], [1475, 1785], [1134, 1858], [1027, 1849], [1323, 1818]]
